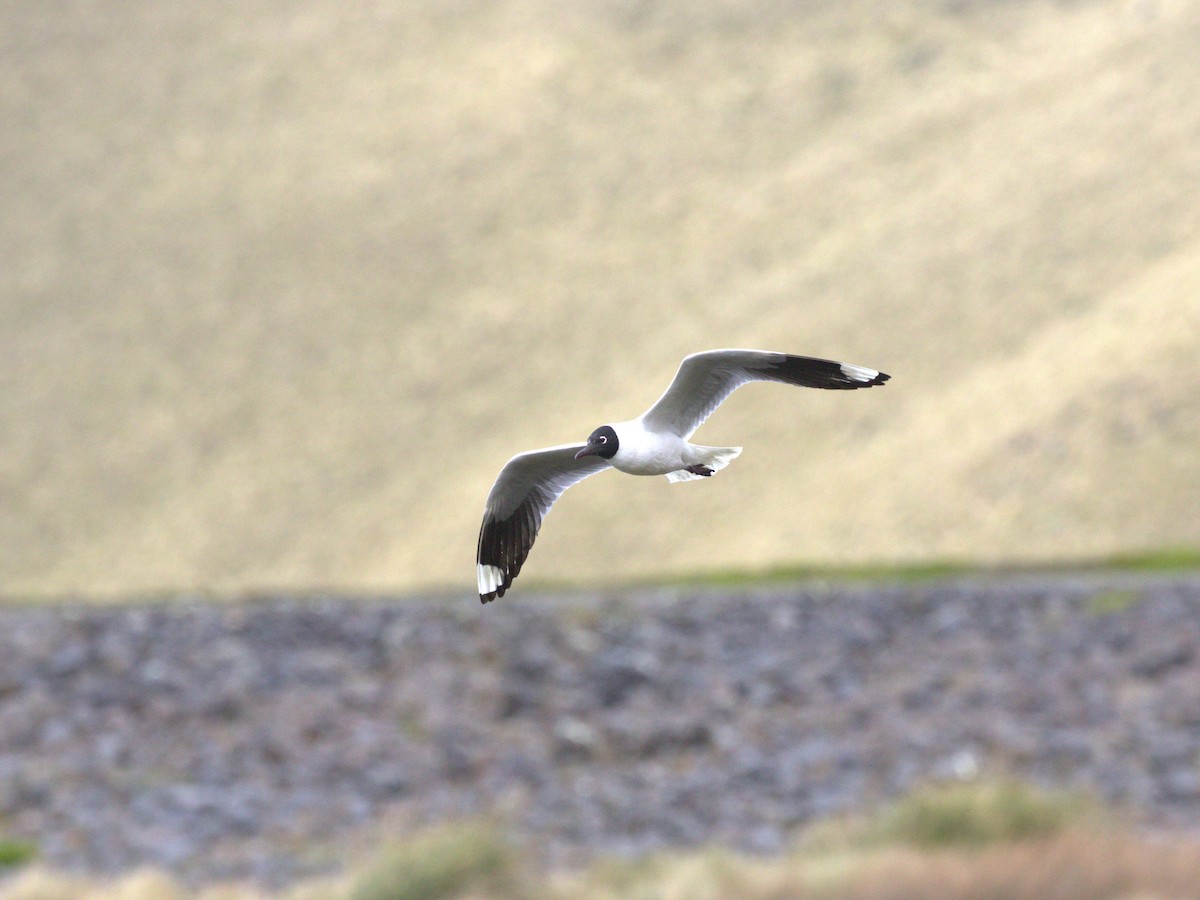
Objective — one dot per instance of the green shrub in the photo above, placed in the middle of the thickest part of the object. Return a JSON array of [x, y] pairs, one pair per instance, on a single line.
[[16, 853], [442, 863], [975, 814], [1113, 601]]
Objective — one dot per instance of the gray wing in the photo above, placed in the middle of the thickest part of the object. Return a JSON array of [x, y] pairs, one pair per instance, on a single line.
[[523, 493], [705, 379]]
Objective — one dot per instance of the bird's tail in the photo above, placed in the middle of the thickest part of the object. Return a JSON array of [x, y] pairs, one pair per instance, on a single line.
[[715, 458]]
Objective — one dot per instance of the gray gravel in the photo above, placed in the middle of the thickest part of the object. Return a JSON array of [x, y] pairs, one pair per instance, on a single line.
[[235, 741]]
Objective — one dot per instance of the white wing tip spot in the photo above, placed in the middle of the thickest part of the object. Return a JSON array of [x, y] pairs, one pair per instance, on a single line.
[[489, 577], [858, 373]]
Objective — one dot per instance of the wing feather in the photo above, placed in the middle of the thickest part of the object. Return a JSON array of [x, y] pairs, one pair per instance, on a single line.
[[523, 493], [705, 380]]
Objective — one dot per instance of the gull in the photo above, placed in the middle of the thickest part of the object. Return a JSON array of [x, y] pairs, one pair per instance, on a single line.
[[655, 443]]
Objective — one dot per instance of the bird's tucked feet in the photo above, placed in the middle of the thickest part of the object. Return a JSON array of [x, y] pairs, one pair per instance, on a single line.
[[699, 470]]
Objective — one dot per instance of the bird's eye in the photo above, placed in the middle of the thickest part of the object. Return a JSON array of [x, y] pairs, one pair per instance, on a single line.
[[603, 439]]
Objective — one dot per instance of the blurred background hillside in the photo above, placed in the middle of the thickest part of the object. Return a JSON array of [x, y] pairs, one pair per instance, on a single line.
[[281, 288]]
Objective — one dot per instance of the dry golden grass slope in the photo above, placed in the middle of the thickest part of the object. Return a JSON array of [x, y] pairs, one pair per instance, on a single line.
[[282, 288]]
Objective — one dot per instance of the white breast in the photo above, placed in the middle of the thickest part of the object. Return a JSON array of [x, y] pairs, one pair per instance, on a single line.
[[642, 452]]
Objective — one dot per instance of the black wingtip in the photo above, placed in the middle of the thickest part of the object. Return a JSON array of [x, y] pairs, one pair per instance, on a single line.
[[855, 377], [506, 580], [503, 546], [806, 371]]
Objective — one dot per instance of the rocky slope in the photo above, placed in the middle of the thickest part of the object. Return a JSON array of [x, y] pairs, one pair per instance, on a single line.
[[252, 740]]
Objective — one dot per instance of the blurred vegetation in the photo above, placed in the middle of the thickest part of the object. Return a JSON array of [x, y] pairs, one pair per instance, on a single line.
[[1113, 601], [993, 839], [16, 852], [468, 858], [971, 815], [1178, 559], [1166, 559]]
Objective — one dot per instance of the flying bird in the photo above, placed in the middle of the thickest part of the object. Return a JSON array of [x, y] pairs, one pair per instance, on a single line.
[[655, 443]]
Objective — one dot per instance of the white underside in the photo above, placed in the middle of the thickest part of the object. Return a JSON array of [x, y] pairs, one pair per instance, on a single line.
[[641, 451], [716, 458], [490, 578]]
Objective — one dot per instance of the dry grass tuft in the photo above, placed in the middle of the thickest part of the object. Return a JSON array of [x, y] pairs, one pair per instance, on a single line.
[[38, 883], [1018, 844], [1076, 865]]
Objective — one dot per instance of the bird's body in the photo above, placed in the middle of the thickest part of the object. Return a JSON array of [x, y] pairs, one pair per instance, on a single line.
[[642, 451], [655, 443]]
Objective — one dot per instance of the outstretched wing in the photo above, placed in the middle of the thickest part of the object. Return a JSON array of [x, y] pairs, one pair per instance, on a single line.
[[705, 379], [523, 493]]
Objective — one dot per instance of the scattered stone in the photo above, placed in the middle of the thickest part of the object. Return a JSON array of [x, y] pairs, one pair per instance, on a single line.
[[239, 741]]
